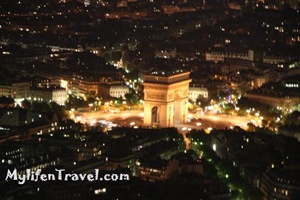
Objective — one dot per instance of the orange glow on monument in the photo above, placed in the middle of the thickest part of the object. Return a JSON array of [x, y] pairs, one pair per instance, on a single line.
[[166, 98]]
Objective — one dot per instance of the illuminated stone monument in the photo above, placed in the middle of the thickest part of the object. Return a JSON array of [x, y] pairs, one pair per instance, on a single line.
[[166, 98]]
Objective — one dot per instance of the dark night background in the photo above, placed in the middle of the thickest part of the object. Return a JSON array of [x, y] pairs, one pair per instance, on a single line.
[[72, 97]]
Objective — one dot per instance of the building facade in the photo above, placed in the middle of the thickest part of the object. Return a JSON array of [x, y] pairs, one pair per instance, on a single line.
[[275, 100], [283, 186], [197, 92], [118, 91], [19, 117], [57, 95], [15, 90]]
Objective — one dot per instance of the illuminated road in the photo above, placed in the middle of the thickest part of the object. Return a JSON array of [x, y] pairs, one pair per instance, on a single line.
[[195, 121], [219, 121], [121, 118]]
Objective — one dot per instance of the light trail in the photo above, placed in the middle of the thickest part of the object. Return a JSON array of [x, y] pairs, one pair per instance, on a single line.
[[206, 121]]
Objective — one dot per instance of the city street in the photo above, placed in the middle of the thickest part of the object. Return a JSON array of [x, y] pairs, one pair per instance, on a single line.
[[135, 118]]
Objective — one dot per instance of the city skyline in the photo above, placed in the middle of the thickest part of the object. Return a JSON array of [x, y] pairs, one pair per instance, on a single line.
[[189, 99]]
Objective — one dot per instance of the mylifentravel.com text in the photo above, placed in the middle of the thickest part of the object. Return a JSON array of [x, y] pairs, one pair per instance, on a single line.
[[62, 175]]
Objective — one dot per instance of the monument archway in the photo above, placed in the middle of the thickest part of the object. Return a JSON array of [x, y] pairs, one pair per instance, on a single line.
[[166, 98], [154, 115]]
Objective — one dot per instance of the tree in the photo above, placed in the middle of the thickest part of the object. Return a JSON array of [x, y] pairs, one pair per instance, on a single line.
[[203, 102], [209, 154], [192, 153], [26, 104], [209, 169], [76, 102], [91, 99], [6, 100], [40, 106], [199, 136], [264, 123], [293, 118], [59, 110], [251, 127], [173, 135], [131, 98]]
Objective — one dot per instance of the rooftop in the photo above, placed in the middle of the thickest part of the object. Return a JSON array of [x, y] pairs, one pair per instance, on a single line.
[[167, 73], [167, 77]]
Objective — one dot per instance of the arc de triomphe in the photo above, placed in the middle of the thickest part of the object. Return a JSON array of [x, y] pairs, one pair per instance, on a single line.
[[166, 98]]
